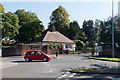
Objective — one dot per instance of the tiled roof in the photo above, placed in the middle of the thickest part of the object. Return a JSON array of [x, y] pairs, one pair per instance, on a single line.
[[53, 37]]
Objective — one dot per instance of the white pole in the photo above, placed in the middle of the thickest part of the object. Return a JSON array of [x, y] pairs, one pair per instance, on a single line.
[[113, 28], [1, 34]]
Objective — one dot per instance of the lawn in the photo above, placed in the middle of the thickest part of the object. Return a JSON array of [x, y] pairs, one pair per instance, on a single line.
[[105, 58], [12, 46], [73, 52]]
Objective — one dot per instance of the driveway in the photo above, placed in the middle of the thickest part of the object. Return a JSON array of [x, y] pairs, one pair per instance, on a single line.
[[53, 69]]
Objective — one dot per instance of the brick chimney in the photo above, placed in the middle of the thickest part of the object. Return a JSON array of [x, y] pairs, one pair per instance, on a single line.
[[53, 29]]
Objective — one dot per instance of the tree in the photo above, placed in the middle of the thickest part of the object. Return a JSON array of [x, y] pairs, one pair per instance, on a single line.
[[75, 33], [106, 31], [10, 25], [117, 29], [59, 18], [1, 11], [1, 8], [89, 31], [74, 28], [97, 30], [25, 16], [30, 26]]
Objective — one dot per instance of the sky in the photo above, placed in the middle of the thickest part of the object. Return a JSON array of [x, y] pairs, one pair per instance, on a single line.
[[78, 11]]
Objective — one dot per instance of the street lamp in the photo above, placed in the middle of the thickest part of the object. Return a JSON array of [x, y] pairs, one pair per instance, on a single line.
[[112, 28], [0, 33]]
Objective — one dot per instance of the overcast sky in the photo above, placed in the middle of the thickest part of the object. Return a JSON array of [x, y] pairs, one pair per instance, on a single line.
[[78, 11]]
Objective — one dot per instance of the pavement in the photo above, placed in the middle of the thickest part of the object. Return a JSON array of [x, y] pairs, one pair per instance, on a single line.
[[16, 67]]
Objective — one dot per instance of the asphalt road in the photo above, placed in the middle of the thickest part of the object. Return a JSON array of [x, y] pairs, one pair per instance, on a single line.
[[16, 67]]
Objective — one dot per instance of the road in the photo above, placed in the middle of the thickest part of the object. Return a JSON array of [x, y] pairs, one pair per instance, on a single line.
[[16, 67]]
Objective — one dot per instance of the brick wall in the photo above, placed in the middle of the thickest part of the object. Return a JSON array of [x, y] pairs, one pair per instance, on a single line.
[[108, 52], [19, 50]]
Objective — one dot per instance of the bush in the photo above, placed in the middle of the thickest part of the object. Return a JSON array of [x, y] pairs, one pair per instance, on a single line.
[[87, 49], [8, 42]]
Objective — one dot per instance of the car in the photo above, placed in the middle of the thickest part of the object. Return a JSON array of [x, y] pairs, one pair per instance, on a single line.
[[36, 55]]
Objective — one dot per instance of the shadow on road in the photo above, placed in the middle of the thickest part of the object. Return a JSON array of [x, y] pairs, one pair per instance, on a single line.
[[103, 66], [98, 76], [25, 61]]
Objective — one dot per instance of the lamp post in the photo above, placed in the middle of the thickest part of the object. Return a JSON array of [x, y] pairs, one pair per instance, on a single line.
[[0, 34], [113, 28]]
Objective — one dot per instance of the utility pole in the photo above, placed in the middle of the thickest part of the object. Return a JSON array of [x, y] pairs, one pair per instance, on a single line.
[[113, 28]]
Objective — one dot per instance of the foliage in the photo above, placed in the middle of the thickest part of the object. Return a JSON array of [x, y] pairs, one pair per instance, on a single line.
[[8, 42], [75, 33], [1, 8], [75, 52], [89, 31], [106, 31], [10, 25], [97, 29], [9, 46], [60, 19], [30, 26], [87, 49], [87, 43], [60, 15], [1, 11], [80, 43], [54, 46], [117, 30]]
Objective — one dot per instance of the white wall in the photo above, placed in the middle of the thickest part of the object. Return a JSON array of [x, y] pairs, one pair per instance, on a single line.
[[71, 47]]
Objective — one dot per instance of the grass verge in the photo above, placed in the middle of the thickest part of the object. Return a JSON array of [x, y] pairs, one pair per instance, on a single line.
[[73, 52], [12, 46], [105, 58]]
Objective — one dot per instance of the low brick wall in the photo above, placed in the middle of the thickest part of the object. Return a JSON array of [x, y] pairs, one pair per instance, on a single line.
[[108, 52], [19, 50], [9, 52]]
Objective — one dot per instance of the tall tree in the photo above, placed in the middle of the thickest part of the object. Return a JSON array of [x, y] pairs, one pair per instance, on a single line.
[[75, 33], [30, 26], [25, 16], [10, 25], [74, 28], [97, 30], [106, 31], [1, 12], [1, 8], [89, 31], [60, 19]]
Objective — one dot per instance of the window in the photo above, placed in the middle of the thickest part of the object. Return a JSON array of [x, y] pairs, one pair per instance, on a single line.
[[39, 53], [32, 52]]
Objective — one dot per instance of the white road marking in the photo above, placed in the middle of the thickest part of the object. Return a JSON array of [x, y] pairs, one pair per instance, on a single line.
[[64, 75], [50, 71], [72, 75]]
